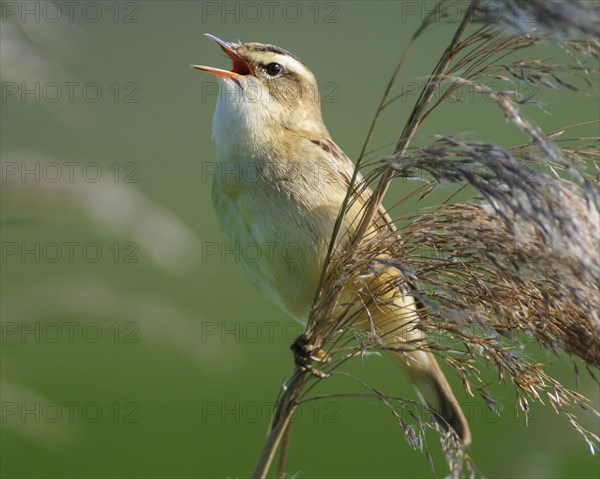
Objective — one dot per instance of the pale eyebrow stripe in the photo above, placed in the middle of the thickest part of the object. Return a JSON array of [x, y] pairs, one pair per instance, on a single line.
[[273, 49]]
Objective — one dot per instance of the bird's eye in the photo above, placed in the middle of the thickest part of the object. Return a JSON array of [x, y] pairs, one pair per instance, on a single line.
[[273, 69]]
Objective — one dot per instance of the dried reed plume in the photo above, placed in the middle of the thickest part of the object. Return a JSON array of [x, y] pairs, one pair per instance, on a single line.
[[518, 262]]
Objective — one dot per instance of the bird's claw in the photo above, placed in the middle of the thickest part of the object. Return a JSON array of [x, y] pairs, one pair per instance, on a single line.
[[305, 353]]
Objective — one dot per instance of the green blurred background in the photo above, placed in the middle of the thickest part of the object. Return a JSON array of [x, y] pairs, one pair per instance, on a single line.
[[129, 347]]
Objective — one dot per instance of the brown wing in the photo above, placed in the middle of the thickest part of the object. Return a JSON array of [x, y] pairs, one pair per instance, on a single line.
[[345, 168], [421, 366], [382, 218]]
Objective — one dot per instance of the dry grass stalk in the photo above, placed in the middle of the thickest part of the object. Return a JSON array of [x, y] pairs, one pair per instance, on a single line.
[[517, 263]]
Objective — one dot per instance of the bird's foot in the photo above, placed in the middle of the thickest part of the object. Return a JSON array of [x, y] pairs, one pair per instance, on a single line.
[[305, 354]]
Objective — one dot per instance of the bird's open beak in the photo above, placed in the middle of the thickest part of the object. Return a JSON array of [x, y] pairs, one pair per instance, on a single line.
[[240, 66]]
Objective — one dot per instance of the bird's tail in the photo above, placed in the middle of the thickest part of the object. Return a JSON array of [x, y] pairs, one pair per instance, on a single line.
[[395, 320], [431, 384]]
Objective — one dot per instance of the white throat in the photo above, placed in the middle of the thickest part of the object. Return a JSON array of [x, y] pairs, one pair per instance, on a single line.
[[240, 122]]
